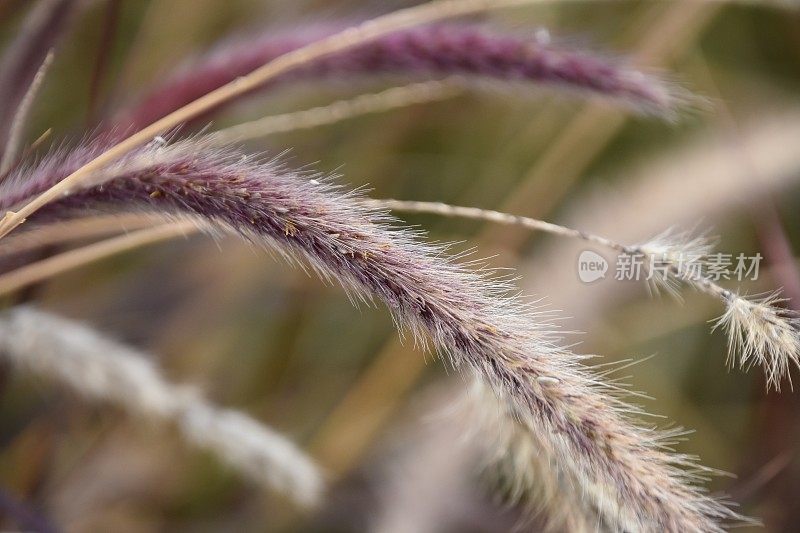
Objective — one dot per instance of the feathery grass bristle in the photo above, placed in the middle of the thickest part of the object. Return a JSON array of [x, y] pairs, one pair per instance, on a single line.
[[675, 257], [760, 332]]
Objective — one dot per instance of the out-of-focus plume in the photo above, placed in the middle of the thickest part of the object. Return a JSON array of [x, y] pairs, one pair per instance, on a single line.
[[102, 369], [435, 51]]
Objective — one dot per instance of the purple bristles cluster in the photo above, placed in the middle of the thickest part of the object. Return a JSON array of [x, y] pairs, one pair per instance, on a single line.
[[433, 51], [623, 468]]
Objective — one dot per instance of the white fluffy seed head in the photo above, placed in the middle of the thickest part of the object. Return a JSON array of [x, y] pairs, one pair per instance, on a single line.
[[673, 257], [760, 332], [674, 244]]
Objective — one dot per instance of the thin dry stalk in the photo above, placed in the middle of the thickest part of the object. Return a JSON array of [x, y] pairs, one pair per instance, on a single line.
[[18, 123], [63, 262], [42, 28], [74, 230], [396, 97], [664, 254]]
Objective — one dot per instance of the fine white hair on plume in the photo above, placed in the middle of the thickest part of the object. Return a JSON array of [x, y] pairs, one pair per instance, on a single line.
[[102, 369], [674, 256], [527, 469], [761, 332]]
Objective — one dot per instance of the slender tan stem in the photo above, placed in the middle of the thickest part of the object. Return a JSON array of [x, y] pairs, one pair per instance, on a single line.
[[349, 38], [47, 268], [75, 230], [394, 98], [437, 208], [498, 217], [21, 116]]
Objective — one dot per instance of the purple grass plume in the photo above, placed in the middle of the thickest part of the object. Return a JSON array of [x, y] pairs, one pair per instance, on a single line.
[[434, 51], [636, 483]]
